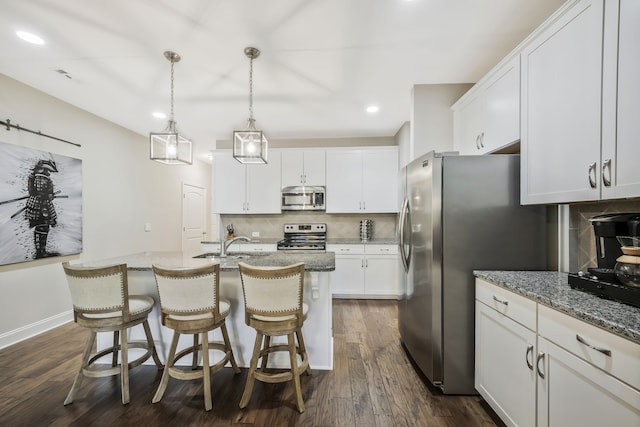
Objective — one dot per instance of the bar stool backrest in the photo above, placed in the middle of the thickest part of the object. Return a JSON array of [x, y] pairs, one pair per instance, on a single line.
[[189, 291], [97, 291], [273, 291]]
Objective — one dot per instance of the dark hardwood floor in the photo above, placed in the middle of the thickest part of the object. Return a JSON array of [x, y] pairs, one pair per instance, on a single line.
[[373, 384]]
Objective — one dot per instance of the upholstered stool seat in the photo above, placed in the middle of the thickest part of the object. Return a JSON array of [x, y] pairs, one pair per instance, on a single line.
[[101, 303], [190, 303], [273, 299]]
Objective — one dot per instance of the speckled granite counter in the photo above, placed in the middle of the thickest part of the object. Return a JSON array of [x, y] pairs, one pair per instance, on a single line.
[[314, 261], [552, 289]]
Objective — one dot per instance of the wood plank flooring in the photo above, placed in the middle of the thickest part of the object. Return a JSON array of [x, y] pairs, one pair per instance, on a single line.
[[373, 384]]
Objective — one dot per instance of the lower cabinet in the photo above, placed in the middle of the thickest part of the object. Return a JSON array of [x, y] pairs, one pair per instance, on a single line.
[[536, 366], [505, 354], [365, 271]]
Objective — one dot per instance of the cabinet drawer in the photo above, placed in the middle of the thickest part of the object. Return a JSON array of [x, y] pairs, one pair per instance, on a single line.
[[568, 332], [381, 249], [514, 306], [255, 247], [346, 249]]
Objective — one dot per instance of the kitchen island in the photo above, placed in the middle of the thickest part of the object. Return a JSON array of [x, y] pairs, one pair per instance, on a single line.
[[317, 329]]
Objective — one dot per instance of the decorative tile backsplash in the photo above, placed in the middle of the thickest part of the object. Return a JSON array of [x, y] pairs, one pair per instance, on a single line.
[[338, 225], [583, 246]]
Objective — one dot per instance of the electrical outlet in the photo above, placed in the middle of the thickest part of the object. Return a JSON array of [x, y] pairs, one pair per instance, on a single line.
[[147, 226], [255, 234]]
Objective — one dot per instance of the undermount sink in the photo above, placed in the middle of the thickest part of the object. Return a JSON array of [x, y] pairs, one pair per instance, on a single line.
[[244, 255]]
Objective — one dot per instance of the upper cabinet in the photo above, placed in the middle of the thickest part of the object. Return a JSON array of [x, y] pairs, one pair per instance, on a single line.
[[488, 116], [252, 189], [621, 100], [303, 167], [362, 180], [580, 105], [561, 106]]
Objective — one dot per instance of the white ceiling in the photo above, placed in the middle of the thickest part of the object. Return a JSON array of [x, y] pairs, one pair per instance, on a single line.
[[322, 61]]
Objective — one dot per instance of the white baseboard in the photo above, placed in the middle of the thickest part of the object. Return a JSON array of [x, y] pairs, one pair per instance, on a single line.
[[28, 331]]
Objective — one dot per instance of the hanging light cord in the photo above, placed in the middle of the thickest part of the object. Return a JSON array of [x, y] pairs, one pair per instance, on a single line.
[[171, 114], [251, 119]]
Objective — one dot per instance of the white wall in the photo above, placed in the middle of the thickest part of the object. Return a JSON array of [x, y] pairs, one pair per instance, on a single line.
[[122, 190], [432, 118]]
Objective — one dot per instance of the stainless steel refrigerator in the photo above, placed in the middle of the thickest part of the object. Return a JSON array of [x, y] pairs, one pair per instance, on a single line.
[[461, 213]]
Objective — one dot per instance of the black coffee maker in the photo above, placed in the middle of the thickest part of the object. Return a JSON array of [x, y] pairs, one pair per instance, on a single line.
[[602, 280], [606, 228]]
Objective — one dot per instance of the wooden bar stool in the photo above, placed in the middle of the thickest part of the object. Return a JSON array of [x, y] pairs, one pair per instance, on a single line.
[[101, 303], [190, 304], [273, 302]]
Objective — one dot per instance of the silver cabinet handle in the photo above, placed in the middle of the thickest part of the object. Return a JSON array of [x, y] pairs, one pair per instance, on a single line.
[[526, 356], [538, 359], [364, 206], [496, 299], [477, 142], [482, 140], [600, 349], [606, 167], [592, 175]]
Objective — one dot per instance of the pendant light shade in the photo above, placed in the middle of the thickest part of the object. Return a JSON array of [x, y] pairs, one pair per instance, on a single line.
[[168, 146], [250, 145]]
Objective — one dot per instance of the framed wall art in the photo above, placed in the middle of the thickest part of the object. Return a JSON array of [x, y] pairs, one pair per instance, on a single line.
[[40, 204]]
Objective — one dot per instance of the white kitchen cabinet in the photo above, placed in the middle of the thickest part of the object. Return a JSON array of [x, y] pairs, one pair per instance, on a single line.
[[252, 189], [581, 375], [362, 180], [303, 167], [505, 353], [561, 107], [576, 393], [621, 100], [488, 117], [253, 247], [365, 271]]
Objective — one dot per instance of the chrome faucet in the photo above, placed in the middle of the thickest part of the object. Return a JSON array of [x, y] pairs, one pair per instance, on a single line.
[[225, 244]]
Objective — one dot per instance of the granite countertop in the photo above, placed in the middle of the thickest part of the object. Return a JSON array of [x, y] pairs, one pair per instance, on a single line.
[[314, 261], [552, 289]]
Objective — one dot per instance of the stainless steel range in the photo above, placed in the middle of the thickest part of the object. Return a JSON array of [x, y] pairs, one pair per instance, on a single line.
[[304, 237]]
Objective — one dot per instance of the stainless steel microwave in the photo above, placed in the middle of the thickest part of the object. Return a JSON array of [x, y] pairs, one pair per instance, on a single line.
[[303, 198]]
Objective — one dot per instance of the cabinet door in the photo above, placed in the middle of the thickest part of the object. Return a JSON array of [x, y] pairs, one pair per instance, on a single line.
[[380, 180], [347, 280], [502, 108], [621, 101], [468, 125], [381, 276], [292, 167], [314, 168], [504, 370], [263, 186], [575, 393], [561, 103], [344, 181], [229, 184]]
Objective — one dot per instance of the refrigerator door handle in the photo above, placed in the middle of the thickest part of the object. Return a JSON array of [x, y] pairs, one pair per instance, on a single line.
[[404, 254]]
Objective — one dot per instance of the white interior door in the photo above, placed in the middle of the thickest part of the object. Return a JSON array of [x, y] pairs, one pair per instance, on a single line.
[[193, 217]]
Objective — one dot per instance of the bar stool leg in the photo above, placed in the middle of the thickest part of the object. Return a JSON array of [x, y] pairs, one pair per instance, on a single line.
[[303, 350], [116, 343], [152, 346], [167, 367], [293, 357], [228, 349], [248, 389], [206, 372], [124, 366], [86, 354]]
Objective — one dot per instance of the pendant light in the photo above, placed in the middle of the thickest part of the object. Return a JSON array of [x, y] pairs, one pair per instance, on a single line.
[[250, 145], [168, 146]]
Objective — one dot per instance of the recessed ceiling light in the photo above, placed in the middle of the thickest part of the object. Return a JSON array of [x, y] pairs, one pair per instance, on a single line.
[[159, 115], [372, 109], [30, 37]]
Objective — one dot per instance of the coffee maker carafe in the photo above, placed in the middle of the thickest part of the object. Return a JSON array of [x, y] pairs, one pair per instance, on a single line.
[[607, 228]]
